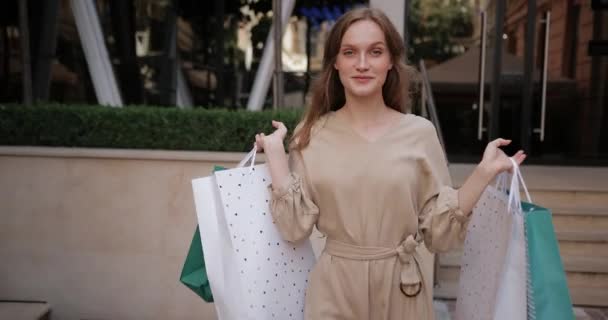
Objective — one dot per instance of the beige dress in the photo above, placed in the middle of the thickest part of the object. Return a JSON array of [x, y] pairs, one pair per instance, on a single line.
[[375, 202]]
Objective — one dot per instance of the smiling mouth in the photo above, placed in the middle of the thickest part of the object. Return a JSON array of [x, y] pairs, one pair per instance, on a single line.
[[362, 80]]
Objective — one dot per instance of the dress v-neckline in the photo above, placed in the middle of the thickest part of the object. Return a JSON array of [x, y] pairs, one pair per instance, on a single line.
[[366, 140]]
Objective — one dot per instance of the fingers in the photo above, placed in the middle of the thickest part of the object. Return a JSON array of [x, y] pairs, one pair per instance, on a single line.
[[519, 157], [279, 125], [259, 142], [260, 138], [500, 142]]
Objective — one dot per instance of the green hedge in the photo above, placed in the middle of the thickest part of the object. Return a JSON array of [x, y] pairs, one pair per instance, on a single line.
[[137, 127]]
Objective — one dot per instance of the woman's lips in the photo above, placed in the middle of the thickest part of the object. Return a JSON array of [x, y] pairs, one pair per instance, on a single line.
[[362, 79]]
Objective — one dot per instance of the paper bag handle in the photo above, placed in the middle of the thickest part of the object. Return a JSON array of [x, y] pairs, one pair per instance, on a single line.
[[249, 156], [516, 180]]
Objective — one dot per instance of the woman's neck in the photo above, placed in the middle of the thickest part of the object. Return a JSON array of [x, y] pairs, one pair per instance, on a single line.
[[365, 111]]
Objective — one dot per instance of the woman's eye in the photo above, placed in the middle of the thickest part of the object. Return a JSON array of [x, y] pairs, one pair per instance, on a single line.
[[376, 52], [348, 52]]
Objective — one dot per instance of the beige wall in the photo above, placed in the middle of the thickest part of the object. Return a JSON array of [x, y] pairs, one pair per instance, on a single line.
[[100, 234]]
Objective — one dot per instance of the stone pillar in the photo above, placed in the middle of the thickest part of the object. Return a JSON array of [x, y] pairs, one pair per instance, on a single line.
[[393, 9]]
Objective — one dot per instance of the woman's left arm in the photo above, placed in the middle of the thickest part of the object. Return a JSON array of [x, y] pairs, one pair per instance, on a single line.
[[494, 161]]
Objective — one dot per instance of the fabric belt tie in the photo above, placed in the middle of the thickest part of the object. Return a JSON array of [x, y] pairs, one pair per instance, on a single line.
[[411, 277]]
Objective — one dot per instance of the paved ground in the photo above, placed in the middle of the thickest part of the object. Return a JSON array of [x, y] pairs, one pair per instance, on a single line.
[[444, 309]]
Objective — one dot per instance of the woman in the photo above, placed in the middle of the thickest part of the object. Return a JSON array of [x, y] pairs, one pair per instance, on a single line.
[[372, 178]]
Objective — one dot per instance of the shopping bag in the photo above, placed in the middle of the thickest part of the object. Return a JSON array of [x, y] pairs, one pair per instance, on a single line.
[[549, 297], [273, 271], [510, 302], [547, 291], [221, 268], [262, 276], [485, 247], [194, 274], [511, 297]]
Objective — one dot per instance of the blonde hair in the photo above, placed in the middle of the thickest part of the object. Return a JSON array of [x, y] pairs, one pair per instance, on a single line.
[[328, 91]]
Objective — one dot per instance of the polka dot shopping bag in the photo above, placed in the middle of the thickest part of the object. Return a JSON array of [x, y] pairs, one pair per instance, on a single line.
[[494, 240], [511, 268], [253, 272]]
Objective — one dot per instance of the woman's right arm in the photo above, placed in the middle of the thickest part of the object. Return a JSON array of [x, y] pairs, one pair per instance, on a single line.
[[272, 145], [291, 207]]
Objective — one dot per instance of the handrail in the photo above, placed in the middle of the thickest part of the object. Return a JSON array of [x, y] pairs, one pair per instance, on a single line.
[[430, 103], [482, 76]]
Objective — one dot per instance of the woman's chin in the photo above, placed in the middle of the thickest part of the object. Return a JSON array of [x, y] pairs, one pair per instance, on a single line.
[[365, 92]]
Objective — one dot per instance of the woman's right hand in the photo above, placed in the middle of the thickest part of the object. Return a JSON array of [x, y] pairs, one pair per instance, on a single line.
[[273, 141]]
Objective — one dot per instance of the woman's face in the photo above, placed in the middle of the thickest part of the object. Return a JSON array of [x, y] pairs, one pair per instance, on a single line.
[[363, 60]]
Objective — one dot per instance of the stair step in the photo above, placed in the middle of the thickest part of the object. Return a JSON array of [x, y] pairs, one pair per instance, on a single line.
[[581, 229], [580, 211], [24, 310], [581, 224], [570, 199], [593, 249], [586, 296], [585, 264], [566, 248], [548, 178], [574, 263], [575, 279], [564, 224], [600, 236]]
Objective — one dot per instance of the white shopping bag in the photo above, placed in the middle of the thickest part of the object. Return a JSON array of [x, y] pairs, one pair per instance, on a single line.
[[272, 273], [217, 250], [485, 248], [511, 296]]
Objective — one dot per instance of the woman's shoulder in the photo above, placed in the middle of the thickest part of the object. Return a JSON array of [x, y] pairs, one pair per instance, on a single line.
[[418, 124], [315, 129], [317, 125]]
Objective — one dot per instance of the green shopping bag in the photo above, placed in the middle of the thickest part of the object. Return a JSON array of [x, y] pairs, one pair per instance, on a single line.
[[548, 295], [194, 274]]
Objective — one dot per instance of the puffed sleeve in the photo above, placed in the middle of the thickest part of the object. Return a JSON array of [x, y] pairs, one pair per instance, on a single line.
[[291, 206], [442, 223]]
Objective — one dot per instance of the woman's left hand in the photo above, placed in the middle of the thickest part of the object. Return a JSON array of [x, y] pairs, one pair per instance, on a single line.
[[495, 161]]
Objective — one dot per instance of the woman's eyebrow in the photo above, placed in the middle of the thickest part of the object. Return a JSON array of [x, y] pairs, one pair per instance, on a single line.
[[370, 45]]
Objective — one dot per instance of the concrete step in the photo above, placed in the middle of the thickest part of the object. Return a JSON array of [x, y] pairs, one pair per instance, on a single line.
[[584, 211], [574, 278], [598, 236], [581, 228], [548, 177], [24, 310], [570, 199], [573, 248], [581, 224], [574, 263], [582, 296]]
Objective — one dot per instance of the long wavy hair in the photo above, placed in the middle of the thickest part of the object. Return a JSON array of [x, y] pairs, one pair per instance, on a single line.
[[328, 91]]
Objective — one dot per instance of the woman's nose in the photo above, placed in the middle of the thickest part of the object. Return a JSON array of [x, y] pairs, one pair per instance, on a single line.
[[362, 64]]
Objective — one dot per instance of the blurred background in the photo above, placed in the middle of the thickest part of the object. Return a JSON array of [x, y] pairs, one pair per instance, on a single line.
[[551, 92], [108, 109]]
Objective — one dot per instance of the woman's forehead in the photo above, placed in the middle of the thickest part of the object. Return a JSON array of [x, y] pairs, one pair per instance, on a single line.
[[363, 33]]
